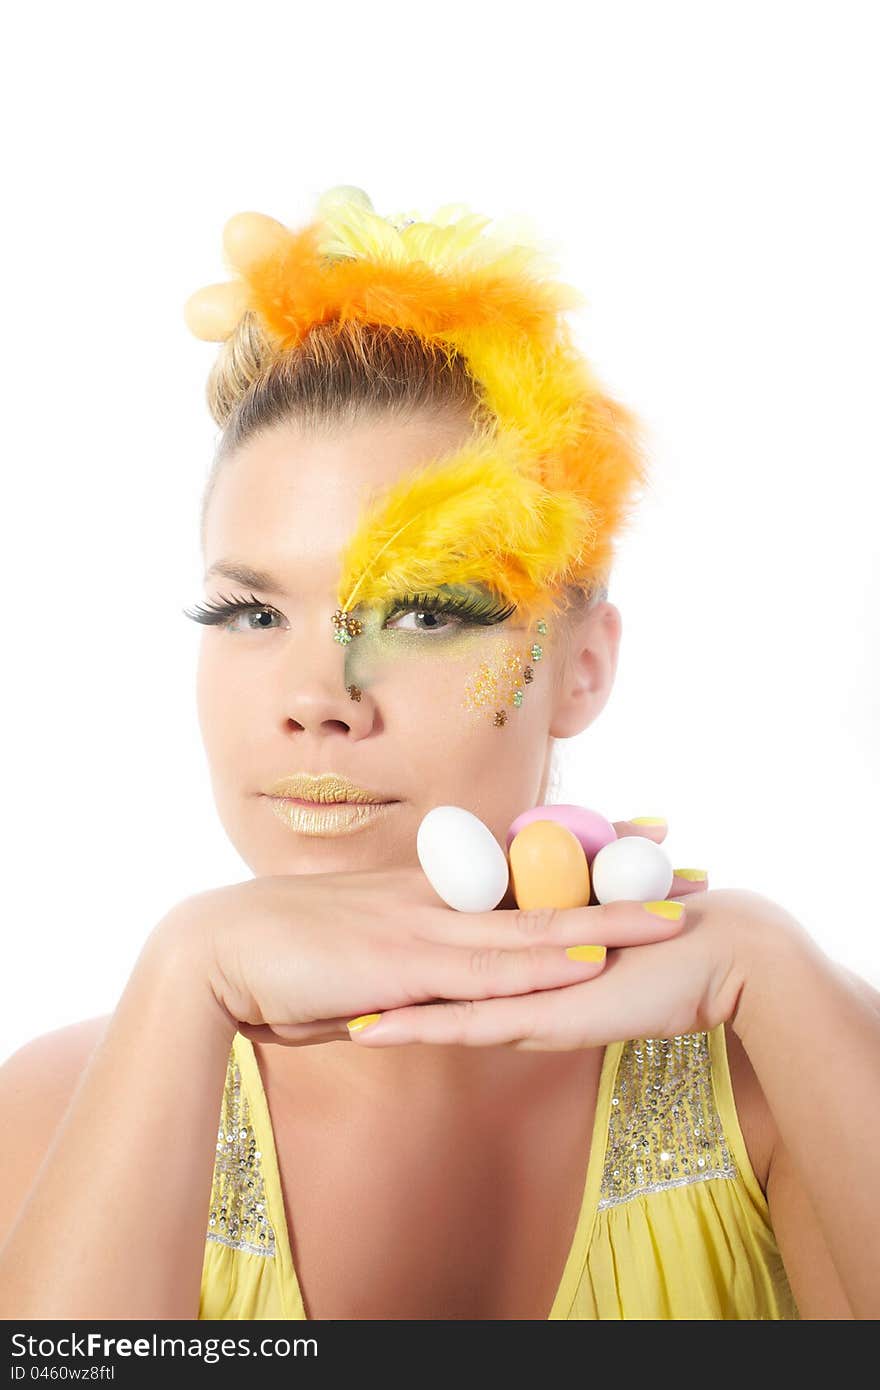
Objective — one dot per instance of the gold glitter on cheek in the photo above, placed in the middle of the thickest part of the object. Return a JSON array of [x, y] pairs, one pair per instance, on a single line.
[[497, 685]]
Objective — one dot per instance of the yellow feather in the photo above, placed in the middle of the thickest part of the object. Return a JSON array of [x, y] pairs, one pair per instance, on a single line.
[[470, 516]]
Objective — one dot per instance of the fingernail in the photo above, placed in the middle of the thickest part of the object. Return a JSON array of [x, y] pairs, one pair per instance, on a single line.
[[694, 875], [585, 952], [665, 909], [354, 1025], [648, 820]]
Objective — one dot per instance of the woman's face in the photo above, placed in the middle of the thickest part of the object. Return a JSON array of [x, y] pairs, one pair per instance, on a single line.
[[272, 682]]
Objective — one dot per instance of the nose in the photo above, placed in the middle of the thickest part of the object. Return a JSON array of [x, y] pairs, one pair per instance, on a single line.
[[314, 708], [316, 697]]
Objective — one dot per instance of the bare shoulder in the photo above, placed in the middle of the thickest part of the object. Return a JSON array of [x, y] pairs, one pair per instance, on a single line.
[[57, 1057], [37, 1083], [755, 1116], [39, 1078]]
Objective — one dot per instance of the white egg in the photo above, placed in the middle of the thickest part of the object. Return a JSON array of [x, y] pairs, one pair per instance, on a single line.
[[462, 860], [633, 869]]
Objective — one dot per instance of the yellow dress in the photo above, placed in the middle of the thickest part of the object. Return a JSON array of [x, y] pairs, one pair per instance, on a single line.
[[673, 1223]]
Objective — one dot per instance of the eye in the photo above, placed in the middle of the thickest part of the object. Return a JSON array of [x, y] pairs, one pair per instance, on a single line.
[[465, 610], [227, 612], [435, 621]]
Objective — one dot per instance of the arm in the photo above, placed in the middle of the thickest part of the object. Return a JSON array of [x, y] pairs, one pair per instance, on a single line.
[[812, 1033], [114, 1223]]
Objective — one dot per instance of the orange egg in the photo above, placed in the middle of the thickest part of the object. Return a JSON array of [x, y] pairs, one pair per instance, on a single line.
[[251, 237], [548, 867], [212, 312]]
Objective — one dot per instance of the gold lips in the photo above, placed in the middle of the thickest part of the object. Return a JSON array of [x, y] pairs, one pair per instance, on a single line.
[[325, 789]]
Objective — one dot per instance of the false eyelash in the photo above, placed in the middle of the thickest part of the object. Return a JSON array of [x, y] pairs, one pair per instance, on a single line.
[[484, 611], [219, 612]]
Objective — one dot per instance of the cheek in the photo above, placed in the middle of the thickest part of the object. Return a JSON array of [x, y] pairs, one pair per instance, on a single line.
[[224, 697], [206, 691], [497, 687], [504, 710], [471, 724], [478, 676]]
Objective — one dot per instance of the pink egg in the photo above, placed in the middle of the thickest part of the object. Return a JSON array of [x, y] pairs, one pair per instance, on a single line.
[[593, 830]]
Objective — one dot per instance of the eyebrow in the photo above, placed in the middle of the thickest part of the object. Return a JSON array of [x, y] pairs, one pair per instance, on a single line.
[[250, 578], [260, 579]]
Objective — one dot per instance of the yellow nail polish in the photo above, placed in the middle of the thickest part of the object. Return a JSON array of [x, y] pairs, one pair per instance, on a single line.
[[362, 1021], [693, 875], [665, 908], [585, 952], [648, 820]]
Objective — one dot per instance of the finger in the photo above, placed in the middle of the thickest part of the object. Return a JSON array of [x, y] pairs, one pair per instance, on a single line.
[[688, 881], [549, 1021], [624, 923], [590, 1014], [490, 971], [465, 1022], [295, 1034], [656, 832]]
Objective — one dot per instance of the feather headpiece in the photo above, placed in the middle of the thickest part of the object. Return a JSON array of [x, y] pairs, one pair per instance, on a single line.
[[533, 501]]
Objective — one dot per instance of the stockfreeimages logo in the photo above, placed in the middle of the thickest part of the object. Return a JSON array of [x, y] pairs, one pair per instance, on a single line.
[[95, 1346]]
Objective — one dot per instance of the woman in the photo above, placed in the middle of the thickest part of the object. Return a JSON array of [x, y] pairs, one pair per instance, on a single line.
[[491, 1127]]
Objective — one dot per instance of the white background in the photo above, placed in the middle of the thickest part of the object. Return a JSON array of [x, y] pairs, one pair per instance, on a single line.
[[707, 174]]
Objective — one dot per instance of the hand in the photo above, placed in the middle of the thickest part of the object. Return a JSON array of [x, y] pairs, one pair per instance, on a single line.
[[291, 958], [686, 983]]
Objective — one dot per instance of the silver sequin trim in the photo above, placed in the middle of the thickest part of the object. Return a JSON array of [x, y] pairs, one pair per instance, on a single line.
[[237, 1216], [664, 1129]]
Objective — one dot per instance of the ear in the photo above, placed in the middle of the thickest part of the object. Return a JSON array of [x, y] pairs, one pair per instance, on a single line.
[[588, 666]]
